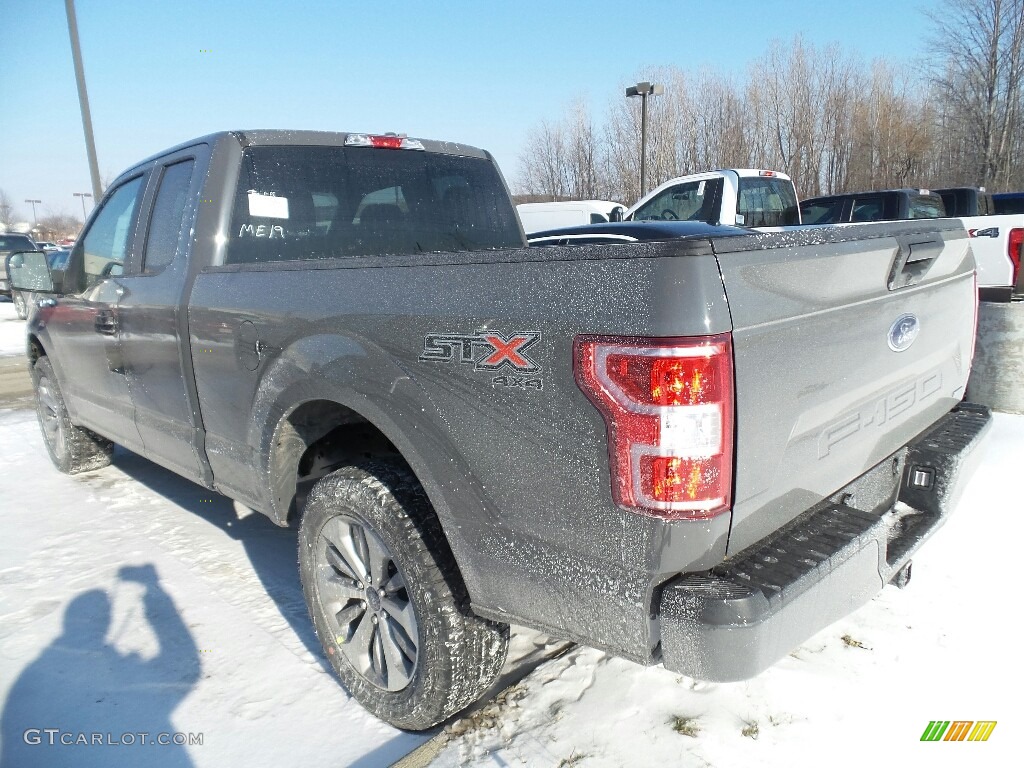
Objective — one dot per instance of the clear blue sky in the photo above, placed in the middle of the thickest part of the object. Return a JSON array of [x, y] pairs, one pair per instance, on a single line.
[[483, 73]]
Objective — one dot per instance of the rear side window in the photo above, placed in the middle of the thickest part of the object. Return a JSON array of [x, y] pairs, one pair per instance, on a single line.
[[766, 201], [690, 201], [168, 215], [326, 202], [926, 207]]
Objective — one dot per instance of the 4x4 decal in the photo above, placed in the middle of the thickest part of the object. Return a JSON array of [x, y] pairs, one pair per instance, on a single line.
[[485, 351]]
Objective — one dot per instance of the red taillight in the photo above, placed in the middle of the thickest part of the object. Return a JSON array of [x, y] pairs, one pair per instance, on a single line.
[[1013, 250], [668, 405]]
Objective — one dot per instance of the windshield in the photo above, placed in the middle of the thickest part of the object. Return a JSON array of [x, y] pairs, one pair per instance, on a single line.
[[766, 201]]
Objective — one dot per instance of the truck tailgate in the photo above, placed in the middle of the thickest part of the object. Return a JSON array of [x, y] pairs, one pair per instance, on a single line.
[[848, 342]]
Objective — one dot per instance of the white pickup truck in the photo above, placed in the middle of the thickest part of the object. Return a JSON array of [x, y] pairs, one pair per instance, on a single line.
[[996, 239], [743, 197]]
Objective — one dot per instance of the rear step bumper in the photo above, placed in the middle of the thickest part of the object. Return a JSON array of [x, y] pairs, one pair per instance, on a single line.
[[736, 620]]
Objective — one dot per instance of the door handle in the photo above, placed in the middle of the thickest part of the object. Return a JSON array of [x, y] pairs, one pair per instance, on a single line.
[[105, 323]]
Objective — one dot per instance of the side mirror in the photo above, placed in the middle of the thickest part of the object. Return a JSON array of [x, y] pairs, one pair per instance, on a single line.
[[616, 214], [29, 271]]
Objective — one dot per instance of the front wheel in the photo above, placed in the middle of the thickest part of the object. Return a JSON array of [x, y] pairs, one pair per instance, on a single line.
[[387, 601], [72, 449]]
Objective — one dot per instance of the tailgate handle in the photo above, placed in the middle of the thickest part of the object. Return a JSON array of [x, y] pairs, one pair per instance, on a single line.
[[914, 257]]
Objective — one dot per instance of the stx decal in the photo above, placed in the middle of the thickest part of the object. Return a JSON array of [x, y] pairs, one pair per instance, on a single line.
[[485, 351], [958, 730]]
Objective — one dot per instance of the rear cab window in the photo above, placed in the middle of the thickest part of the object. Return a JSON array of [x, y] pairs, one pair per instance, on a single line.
[[926, 207], [317, 202], [766, 201]]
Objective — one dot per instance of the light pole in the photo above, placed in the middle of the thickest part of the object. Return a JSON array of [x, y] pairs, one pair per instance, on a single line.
[[643, 90], [82, 195], [83, 99], [34, 221]]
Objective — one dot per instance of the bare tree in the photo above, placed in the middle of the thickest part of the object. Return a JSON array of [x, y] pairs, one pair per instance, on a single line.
[[7, 212], [977, 73]]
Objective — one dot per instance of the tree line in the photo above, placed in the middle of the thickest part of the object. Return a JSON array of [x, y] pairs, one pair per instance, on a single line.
[[818, 113]]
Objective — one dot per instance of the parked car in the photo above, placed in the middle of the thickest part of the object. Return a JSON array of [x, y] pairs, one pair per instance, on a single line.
[[875, 205], [566, 213], [9, 243], [46, 245], [744, 197], [696, 452]]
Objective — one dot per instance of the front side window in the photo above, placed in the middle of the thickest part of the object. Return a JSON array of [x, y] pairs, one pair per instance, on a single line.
[[766, 201], [168, 216], [690, 201], [106, 243], [330, 202]]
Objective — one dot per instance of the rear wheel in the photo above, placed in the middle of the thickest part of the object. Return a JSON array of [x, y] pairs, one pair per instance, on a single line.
[[72, 449], [387, 601]]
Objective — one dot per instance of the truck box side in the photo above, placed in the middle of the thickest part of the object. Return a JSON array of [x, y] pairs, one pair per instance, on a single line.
[[515, 462]]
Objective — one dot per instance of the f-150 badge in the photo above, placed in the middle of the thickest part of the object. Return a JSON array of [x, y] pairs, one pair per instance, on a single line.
[[485, 350]]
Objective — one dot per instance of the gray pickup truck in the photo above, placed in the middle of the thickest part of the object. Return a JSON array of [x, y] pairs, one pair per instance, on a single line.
[[694, 451]]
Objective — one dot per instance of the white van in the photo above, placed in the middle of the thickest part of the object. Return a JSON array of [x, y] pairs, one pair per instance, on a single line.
[[537, 217]]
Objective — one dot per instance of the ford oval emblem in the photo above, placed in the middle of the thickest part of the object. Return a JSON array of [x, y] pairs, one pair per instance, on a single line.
[[903, 332]]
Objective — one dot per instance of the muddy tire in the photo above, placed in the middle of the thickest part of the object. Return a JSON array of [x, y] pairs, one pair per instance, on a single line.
[[387, 601], [72, 449]]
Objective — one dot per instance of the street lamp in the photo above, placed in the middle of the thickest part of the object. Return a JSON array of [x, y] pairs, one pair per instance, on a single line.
[[82, 195], [643, 90], [34, 209]]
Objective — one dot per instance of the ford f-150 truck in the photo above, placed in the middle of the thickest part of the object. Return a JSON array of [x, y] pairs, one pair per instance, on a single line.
[[997, 240], [745, 197], [694, 451]]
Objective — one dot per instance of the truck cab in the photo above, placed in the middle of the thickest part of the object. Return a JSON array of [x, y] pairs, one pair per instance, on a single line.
[[742, 197], [875, 205]]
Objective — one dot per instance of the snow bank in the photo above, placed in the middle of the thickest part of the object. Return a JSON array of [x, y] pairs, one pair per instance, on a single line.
[[12, 330]]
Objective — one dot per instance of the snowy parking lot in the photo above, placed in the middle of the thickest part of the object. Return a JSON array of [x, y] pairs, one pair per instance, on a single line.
[[133, 601]]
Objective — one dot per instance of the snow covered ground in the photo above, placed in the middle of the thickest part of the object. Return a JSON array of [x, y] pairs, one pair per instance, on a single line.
[[859, 693], [12, 330], [134, 601]]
